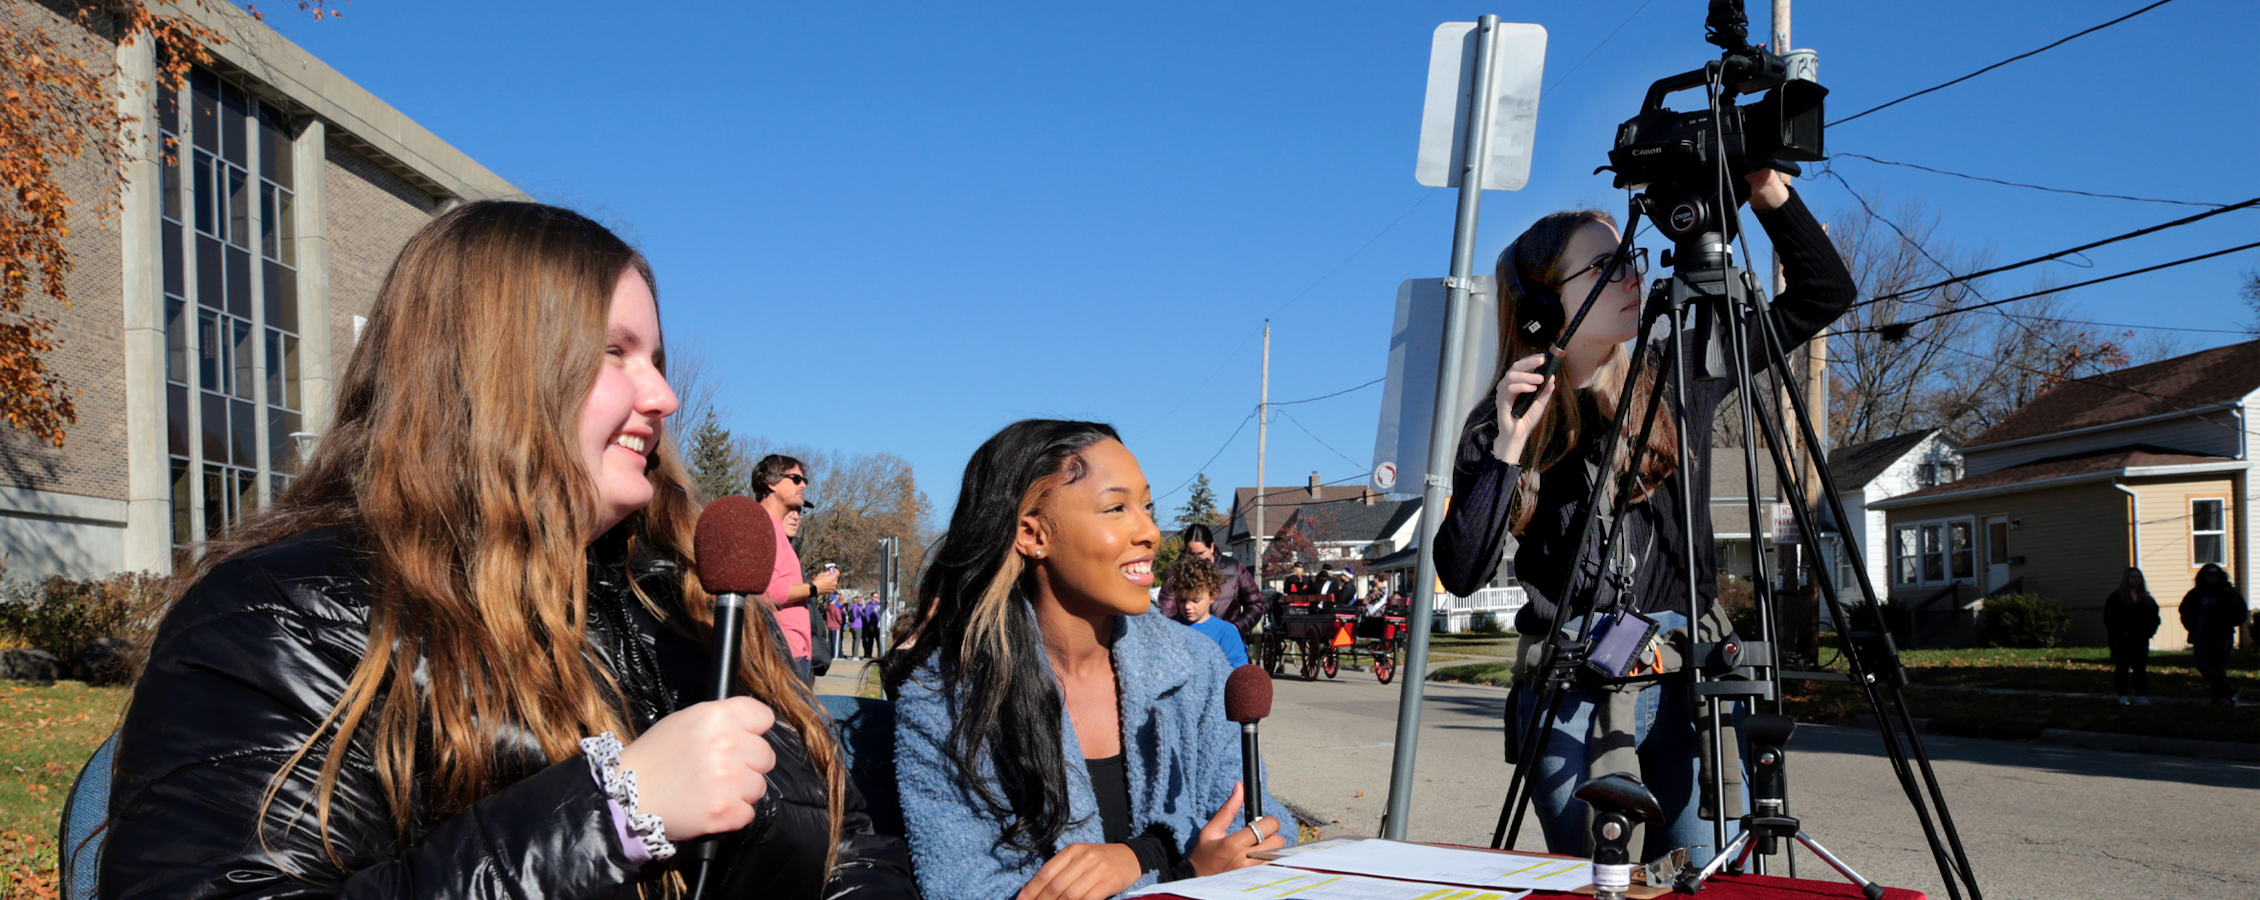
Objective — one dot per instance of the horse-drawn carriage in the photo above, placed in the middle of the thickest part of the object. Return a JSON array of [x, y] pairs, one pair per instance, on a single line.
[[1319, 630]]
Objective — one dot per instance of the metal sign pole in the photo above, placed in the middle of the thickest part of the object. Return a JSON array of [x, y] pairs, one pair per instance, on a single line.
[[1443, 432]]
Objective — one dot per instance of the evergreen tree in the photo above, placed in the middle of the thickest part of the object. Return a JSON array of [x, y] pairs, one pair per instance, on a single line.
[[1200, 505], [712, 462]]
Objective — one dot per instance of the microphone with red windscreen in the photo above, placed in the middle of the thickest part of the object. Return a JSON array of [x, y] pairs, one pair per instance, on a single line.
[[1247, 699], [735, 551]]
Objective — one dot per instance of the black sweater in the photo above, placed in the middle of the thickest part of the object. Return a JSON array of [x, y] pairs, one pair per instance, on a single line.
[[1476, 526]]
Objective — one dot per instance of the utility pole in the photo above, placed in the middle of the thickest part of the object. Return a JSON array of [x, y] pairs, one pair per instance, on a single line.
[[1263, 439]]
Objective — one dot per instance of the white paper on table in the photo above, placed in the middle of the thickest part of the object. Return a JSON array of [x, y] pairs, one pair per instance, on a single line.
[[1476, 868], [1275, 882]]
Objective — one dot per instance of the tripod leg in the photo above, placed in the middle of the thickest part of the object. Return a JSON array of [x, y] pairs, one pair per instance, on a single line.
[[1730, 853], [1869, 889]]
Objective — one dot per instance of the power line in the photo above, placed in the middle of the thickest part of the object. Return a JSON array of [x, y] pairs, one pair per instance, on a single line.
[[1997, 65], [1313, 436], [1235, 352], [2015, 184], [1354, 254], [1886, 329], [1335, 394], [2177, 223], [1211, 459], [1596, 49], [2132, 326], [2030, 331], [1196, 390]]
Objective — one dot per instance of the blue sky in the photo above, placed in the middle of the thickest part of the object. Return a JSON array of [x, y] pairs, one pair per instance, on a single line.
[[898, 227]]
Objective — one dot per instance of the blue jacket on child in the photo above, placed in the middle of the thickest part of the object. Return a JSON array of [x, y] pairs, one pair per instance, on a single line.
[[1180, 754]]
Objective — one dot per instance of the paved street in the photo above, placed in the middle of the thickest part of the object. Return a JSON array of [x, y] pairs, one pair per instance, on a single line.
[[2039, 821]]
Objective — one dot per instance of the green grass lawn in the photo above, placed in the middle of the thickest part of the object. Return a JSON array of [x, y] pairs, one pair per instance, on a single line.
[[46, 734]]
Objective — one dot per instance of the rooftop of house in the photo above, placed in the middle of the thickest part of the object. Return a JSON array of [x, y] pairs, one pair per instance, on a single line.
[[1726, 476], [2205, 378], [2090, 463], [1283, 499], [1351, 522], [1854, 465]]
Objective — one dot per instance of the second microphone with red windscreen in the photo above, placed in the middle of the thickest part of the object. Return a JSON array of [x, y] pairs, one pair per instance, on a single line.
[[1247, 700]]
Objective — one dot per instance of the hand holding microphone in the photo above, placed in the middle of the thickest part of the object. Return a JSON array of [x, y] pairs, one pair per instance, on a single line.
[[701, 769], [712, 760], [1528, 383], [1247, 700]]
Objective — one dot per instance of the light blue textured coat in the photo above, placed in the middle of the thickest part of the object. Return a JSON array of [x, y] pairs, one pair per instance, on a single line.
[[1181, 756]]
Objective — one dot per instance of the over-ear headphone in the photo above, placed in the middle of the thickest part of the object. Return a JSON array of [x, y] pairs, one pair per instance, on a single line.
[[1538, 315]]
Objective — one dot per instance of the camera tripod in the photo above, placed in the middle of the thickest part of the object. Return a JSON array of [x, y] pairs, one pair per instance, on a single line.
[[1769, 821], [1733, 334]]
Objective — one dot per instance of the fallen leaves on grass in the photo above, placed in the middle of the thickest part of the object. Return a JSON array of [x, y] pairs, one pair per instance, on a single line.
[[28, 861]]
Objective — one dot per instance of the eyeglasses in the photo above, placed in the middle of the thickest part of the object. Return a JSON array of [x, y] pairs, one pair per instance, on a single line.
[[795, 478], [1635, 266]]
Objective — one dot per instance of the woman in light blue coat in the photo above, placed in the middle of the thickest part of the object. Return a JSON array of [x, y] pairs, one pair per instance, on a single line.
[[1055, 738]]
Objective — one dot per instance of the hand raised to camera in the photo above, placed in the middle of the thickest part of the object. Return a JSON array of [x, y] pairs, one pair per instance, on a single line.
[[1521, 378], [1769, 189]]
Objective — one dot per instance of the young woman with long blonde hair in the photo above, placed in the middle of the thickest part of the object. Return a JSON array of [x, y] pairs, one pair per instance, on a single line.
[[1530, 478], [413, 676]]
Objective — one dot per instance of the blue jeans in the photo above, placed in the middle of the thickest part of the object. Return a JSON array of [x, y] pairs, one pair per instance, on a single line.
[[1670, 766]]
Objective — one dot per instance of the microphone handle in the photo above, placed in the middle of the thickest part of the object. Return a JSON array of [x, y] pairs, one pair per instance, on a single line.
[[1251, 775], [1552, 365], [729, 624]]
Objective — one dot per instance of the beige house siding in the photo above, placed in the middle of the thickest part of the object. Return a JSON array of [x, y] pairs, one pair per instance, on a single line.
[[2071, 540], [2166, 547]]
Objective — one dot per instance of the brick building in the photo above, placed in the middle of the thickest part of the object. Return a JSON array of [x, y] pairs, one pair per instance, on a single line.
[[216, 302]]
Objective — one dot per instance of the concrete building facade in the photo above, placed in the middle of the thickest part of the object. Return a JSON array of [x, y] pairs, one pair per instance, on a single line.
[[214, 303]]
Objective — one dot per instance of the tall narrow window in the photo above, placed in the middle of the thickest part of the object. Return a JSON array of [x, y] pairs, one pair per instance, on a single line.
[[1904, 557], [1961, 549], [229, 304], [2208, 532]]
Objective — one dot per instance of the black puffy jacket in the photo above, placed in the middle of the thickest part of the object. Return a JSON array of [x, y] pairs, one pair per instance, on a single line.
[[247, 665]]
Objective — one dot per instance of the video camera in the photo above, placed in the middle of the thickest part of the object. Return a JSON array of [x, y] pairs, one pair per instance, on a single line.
[[1676, 156]]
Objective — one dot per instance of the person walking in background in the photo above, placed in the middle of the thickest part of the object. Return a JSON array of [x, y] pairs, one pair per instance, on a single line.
[[2212, 612], [1238, 599], [780, 483], [834, 619], [1194, 581], [870, 628], [2130, 620]]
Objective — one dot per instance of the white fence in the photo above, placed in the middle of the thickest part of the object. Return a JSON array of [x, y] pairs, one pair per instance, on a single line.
[[1458, 613]]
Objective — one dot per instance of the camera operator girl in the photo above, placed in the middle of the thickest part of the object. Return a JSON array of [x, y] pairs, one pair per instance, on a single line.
[[413, 675], [1531, 477]]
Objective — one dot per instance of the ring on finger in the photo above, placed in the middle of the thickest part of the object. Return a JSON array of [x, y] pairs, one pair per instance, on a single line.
[[1257, 827]]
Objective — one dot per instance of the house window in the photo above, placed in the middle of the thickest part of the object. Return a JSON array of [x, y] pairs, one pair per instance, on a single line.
[[1935, 473], [2208, 532], [229, 303], [1934, 552]]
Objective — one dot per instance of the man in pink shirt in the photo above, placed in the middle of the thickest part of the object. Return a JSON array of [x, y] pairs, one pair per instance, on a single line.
[[780, 483]]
